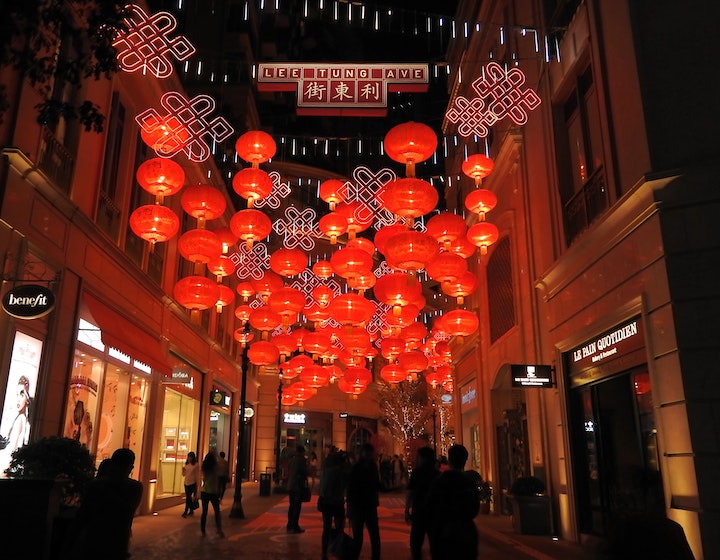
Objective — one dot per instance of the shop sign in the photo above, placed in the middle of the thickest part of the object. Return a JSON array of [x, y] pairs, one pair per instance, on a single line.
[[342, 89], [611, 344], [468, 397], [28, 301], [219, 398], [180, 375], [531, 375], [294, 418]]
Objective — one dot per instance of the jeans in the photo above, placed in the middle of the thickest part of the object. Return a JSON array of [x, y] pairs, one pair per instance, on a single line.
[[190, 490], [369, 518], [213, 499]]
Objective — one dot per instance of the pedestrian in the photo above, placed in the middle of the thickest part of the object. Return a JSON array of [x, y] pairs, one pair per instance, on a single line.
[[397, 470], [331, 498], [191, 478], [363, 500], [416, 509], [210, 493], [224, 473], [313, 469], [297, 483], [453, 502], [108, 506]]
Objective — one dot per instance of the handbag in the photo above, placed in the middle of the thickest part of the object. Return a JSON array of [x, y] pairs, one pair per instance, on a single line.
[[342, 546], [195, 503]]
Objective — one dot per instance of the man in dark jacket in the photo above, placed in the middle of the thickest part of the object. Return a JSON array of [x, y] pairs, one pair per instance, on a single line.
[[416, 510], [363, 500], [297, 480]]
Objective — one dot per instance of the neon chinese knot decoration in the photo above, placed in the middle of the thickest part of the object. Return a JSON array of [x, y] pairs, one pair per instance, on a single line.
[[499, 95], [279, 191], [251, 263], [298, 229], [368, 192], [147, 44]]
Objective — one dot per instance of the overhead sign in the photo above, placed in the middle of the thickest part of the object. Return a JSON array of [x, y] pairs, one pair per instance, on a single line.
[[342, 89], [28, 301], [531, 375], [179, 374], [294, 418]]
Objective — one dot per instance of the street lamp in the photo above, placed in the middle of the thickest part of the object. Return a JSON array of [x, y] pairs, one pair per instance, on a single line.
[[237, 509]]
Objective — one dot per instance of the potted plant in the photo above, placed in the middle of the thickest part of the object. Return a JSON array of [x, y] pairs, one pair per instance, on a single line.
[[532, 512]]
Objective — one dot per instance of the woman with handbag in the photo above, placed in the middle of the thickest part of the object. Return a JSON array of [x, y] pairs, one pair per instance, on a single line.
[[191, 476], [297, 486]]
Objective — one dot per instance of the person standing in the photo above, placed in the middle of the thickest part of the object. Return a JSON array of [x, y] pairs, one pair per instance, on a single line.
[[108, 506], [331, 499], [210, 493], [297, 480], [363, 500], [224, 473], [416, 510], [191, 478], [453, 502]]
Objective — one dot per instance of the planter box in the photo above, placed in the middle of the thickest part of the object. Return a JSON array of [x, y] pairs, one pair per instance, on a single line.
[[532, 515]]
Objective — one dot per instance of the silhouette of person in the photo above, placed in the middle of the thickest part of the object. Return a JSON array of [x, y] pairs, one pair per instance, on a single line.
[[107, 510], [297, 478], [416, 510], [333, 486], [363, 500], [210, 493], [191, 478], [224, 473], [453, 502]]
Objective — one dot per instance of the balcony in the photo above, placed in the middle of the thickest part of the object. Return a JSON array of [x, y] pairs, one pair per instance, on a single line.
[[585, 206]]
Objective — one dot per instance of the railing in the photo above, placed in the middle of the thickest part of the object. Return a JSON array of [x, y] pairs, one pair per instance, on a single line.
[[586, 206], [55, 161]]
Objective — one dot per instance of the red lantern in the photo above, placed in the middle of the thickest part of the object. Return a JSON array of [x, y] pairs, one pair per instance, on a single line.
[[446, 227], [323, 269], [410, 143], [362, 243], [331, 192], [413, 361], [358, 376], [385, 234], [408, 314], [316, 313], [414, 334], [196, 292], [255, 147], [393, 373], [199, 245], [160, 177], [316, 343], [288, 399], [477, 167], [266, 284], [226, 297], [301, 391], [242, 312], [333, 225], [288, 262], [227, 238], [483, 234], [322, 294], [464, 285], [397, 289], [480, 201], [285, 344], [350, 389], [154, 223], [460, 322], [245, 289], [409, 197], [357, 216], [350, 262], [203, 202], [432, 379], [446, 267], [351, 309], [355, 339], [315, 376], [263, 353], [252, 184], [463, 247], [392, 346], [362, 281], [250, 225], [265, 320], [411, 250], [242, 337], [287, 302], [443, 349], [166, 135], [299, 363]]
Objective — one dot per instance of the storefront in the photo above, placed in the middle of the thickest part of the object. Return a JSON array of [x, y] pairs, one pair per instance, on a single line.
[[612, 429], [220, 406], [312, 430], [469, 421]]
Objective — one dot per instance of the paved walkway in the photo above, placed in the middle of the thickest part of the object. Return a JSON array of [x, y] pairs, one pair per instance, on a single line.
[[261, 533]]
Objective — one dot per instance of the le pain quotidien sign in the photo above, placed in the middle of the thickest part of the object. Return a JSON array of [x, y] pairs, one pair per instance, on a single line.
[[28, 301], [609, 346]]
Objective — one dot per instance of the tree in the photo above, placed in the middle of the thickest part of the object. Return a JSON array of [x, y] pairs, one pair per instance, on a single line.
[[56, 44], [404, 409]]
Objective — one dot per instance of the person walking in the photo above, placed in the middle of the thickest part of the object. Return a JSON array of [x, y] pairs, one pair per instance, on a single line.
[[297, 481], [453, 502], [224, 473], [191, 478], [363, 500], [210, 493], [416, 510], [331, 498]]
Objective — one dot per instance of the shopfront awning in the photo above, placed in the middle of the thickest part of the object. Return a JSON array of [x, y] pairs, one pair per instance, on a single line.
[[118, 332]]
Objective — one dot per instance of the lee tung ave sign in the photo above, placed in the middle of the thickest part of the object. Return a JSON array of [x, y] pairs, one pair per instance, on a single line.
[[343, 89]]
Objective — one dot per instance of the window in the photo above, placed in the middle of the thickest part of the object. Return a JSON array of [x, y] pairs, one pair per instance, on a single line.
[[108, 212], [501, 305]]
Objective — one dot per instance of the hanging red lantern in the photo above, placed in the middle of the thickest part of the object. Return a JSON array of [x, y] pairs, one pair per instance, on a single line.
[[288, 399], [316, 343], [411, 250], [288, 261], [409, 198], [353, 390], [267, 284], [393, 373], [323, 269], [412, 361], [414, 334], [460, 322], [351, 309], [385, 234], [322, 294], [333, 225], [242, 312], [335, 372], [443, 349], [446, 267], [408, 314], [483, 234], [464, 285], [355, 339], [285, 344], [299, 363], [480, 201], [358, 376], [199, 245], [287, 302], [301, 391], [463, 247], [350, 262], [397, 289], [154, 223], [357, 216], [410, 143], [255, 147], [331, 192], [446, 227], [362, 282], [242, 337], [160, 177], [165, 135], [245, 290], [250, 225], [227, 238], [252, 184], [362, 243], [265, 320], [299, 334], [477, 167], [263, 353], [391, 346], [315, 376], [445, 373], [196, 292], [226, 297], [203, 202]]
